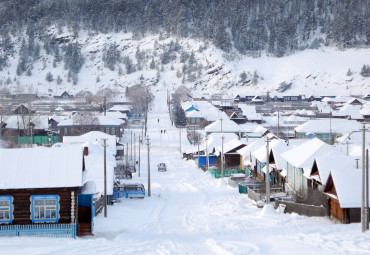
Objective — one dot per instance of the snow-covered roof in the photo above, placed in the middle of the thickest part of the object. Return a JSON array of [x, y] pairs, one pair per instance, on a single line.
[[119, 108], [41, 167], [116, 115], [59, 109], [92, 137], [303, 155], [329, 163], [206, 109], [215, 139], [40, 122], [245, 151], [349, 110], [365, 109], [227, 126], [277, 147], [56, 118], [103, 121], [347, 184], [341, 126], [250, 112], [194, 114], [229, 145]]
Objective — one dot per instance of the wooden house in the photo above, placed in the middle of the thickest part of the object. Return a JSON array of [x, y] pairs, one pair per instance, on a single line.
[[292, 98], [238, 118], [195, 119], [343, 189], [39, 197], [300, 160], [22, 110], [64, 95], [326, 130]]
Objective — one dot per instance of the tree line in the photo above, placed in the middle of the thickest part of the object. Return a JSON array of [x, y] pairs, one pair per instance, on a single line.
[[278, 27]]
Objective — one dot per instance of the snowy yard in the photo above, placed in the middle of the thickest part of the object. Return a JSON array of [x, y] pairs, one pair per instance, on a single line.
[[190, 212]]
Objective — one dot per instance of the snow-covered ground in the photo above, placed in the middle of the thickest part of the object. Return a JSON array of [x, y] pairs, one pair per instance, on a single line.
[[190, 212]]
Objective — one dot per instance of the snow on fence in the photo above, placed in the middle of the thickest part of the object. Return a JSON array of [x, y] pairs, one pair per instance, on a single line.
[[254, 195], [302, 209], [42, 230]]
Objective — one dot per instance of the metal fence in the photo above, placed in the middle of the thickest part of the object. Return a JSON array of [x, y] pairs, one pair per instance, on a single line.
[[41, 230], [302, 209]]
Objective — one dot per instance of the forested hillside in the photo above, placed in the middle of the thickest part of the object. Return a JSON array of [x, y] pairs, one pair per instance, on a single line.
[[55, 45], [278, 26]]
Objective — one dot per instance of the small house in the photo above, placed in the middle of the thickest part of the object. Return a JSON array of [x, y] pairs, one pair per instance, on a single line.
[[343, 189], [300, 160], [39, 197]]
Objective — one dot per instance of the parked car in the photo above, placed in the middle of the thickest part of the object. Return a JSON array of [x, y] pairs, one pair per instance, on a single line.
[[162, 167], [131, 190]]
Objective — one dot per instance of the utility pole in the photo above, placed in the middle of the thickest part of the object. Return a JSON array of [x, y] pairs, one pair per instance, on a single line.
[[207, 152], [105, 106], [139, 153], [278, 127], [363, 210], [180, 139], [131, 147], [367, 189], [142, 131], [31, 135], [126, 155], [267, 172], [222, 158], [198, 151], [105, 177], [148, 144], [135, 152], [221, 123]]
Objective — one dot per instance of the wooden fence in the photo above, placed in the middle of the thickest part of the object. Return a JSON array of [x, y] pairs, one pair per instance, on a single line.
[[303, 209], [39, 230]]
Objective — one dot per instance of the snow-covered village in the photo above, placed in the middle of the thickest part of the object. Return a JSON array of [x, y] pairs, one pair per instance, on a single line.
[[184, 127]]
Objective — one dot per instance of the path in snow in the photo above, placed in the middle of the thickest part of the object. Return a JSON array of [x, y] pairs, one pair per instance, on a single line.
[[190, 212]]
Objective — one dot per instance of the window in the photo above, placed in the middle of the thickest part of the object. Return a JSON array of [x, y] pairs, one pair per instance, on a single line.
[[45, 208], [113, 131], [65, 131], [6, 209]]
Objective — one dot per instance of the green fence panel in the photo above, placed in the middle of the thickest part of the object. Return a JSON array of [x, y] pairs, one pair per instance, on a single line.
[[38, 139]]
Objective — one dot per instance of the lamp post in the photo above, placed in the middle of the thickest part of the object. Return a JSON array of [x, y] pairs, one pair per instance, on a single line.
[[267, 172], [148, 145], [105, 178]]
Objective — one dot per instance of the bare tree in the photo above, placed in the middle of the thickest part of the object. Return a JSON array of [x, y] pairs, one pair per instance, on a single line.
[[106, 93], [181, 94], [86, 95], [27, 119], [140, 96], [85, 122]]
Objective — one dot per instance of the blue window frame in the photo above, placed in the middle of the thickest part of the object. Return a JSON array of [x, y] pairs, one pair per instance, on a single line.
[[45, 208], [6, 209]]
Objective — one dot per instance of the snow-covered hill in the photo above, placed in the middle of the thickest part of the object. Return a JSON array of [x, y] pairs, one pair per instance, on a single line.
[[319, 72]]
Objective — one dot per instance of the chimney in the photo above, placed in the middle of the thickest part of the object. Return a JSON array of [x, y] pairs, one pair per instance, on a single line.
[[86, 151]]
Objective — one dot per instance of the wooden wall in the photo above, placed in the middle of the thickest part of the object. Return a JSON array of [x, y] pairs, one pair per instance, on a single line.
[[22, 203]]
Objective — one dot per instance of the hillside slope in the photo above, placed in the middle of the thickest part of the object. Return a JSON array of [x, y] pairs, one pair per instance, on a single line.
[[117, 60]]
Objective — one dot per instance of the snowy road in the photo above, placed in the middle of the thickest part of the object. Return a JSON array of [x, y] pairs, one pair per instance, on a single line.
[[190, 212]]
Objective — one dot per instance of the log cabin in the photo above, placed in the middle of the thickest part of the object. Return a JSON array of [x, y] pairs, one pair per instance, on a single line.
[[39, 191]]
